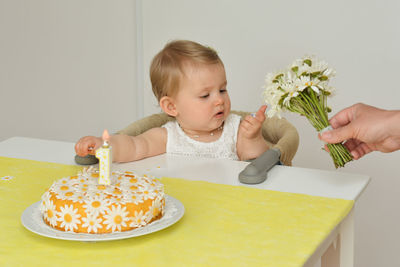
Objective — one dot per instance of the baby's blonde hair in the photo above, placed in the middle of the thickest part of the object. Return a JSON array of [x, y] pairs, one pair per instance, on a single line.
[[167, 67]]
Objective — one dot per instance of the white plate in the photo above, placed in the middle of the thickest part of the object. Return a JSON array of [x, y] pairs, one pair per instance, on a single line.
[[32, 220]]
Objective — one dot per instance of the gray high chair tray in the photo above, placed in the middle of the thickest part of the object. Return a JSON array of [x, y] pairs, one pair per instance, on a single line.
[[257, 171], [87, 160]]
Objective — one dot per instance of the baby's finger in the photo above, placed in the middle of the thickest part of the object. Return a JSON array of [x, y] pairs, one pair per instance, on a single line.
[[260, 114], [246, 125], [85, 145], [81, 151]]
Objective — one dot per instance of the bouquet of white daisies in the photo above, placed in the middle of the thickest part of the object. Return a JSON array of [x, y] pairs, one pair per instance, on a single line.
[[303, 88]]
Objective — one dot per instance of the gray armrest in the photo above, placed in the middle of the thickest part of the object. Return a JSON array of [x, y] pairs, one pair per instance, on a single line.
[[256, 171]]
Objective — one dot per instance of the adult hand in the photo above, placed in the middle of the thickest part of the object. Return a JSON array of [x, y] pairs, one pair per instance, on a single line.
[[365, 128]]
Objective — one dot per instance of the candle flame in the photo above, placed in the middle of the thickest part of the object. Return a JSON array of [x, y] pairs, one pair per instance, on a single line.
[[106, 136]]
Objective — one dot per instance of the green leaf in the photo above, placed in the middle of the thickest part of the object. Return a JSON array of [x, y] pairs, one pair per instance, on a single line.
[[305, 74], [295, 68], [308, 62], [278, 76], [316, 73], [282, 98], [324, 92], [323, 78], [328, 109]]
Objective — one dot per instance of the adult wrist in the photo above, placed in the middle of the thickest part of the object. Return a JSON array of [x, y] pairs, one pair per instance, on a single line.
[[394, 127], [394, 122]]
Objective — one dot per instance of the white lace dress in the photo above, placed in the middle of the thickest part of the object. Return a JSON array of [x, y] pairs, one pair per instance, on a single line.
[[178, 143]]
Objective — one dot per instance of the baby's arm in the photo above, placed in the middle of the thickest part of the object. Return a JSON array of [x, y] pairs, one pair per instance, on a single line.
[[251, 143], [127, 148]]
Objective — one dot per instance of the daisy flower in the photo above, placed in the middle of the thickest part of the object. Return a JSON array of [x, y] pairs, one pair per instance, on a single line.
[[136, 198], [69, 217], [156, 208], [96, 205], [139, 219], [66, 195], [50, 213], [146, 193], [92, 222], [291, 94], [318, 66], [46, 196], [110, 189], [307, 82], [78, 197], [60, 188], [116, 218]]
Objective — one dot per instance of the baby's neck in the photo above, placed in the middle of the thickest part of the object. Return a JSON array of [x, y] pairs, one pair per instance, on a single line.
[[204, 136]]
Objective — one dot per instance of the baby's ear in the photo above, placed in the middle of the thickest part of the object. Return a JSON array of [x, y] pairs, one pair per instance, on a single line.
[[168, 106]]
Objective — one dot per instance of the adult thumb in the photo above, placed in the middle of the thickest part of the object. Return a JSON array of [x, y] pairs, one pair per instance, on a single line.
[[337, 135]]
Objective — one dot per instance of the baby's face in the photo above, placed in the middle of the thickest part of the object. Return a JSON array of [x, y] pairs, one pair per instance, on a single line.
[[202, 101]]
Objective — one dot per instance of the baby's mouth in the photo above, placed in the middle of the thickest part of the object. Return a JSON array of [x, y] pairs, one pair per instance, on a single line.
[[219, 114]]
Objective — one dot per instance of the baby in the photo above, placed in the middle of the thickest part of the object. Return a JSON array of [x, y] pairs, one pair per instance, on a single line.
[[189, 82]]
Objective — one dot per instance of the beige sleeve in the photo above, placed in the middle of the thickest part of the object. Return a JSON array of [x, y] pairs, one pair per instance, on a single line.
[[278, 133], [142, 125]]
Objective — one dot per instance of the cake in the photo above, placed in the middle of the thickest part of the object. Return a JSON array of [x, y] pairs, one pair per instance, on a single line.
[[79, 204]]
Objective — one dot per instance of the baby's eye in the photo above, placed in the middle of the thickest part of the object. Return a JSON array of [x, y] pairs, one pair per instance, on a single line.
[[222, 90], [204, 96]]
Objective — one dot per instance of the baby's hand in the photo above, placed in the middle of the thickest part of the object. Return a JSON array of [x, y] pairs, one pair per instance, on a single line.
[[251, 125], [87, 145]]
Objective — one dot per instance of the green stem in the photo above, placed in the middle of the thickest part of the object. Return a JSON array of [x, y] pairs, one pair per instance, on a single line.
[[313, 106]]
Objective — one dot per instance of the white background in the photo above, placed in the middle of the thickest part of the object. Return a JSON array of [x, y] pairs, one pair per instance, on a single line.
[[72, 68]]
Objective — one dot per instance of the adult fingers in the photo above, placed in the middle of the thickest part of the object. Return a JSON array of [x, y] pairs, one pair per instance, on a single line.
[[352, 144], [338, 135], [342, 118], [360, 151]]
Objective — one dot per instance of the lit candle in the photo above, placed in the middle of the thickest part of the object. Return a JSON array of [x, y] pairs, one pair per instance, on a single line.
[[104, 154]]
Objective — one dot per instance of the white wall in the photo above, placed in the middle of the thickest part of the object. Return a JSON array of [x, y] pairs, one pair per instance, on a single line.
[[360, 39], [59, 59], [67, 68]]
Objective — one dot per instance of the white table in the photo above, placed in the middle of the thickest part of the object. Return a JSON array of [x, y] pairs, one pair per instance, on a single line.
[[336, 250]]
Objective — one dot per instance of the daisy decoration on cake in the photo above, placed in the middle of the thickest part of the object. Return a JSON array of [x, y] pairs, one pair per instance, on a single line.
[[69, 217], [50, 212], [116, 218], [140, 219], [156, 207], [92, 222], [96, 205]]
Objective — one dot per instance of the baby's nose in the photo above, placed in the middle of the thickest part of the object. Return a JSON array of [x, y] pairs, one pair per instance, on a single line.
[[219, 100]]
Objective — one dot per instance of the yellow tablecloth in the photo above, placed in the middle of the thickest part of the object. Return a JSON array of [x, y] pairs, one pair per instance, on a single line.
[[222, 226]]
